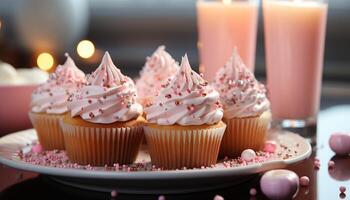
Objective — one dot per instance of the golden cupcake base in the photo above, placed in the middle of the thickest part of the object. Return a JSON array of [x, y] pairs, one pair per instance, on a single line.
[[48, 130], [244, 133], [100, 144], [176, 147]]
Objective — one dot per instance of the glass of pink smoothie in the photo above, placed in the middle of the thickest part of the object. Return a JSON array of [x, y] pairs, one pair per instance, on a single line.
[[222, 25], [294, 43]]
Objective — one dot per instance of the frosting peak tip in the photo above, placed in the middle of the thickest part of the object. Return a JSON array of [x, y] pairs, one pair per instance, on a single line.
[[185, 63]]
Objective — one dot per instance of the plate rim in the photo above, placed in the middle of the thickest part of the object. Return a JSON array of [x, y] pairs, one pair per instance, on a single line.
[[144, 175]]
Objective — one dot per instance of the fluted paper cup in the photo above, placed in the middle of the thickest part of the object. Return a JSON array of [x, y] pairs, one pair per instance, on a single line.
[[99, 146], [175, 147], [244, 133], [48, 130]]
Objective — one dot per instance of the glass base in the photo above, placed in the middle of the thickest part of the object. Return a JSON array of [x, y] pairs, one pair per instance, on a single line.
[[306, 128]]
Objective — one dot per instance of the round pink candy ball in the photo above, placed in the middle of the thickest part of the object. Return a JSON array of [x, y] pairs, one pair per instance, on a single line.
[[248, 155], [279, 184], [340, 143], [252, 191], [270, 146], [37, 148], [342, 189], [114, 193], [218, 197], [304, 181]]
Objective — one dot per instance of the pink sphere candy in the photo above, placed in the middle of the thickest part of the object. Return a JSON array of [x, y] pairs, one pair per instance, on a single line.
[[304, 181], [279, 184], [218, 197], [252, 191], [161, 197], [331, 164], [342, 189], [37, 148], [248, 155], [270, 146], [114, 193], [340, 143]]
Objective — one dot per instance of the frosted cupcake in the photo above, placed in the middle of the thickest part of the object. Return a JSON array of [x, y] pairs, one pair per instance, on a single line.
[[156, 71], [185, 127], [246, 108], [105, 126], [49, 103]]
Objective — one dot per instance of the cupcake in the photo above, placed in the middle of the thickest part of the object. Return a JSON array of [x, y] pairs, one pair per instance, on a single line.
[[246, 108], [49, 103], [184, 126], [156, 71], [104, 126]]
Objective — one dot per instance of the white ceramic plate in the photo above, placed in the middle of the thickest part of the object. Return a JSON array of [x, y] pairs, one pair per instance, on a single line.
[[158, 182]]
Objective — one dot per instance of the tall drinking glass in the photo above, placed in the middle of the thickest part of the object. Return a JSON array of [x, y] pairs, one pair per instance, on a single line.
[[294, 42], [222, 25]]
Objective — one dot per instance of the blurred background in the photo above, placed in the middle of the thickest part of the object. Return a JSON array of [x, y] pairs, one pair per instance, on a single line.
[[37, 33]]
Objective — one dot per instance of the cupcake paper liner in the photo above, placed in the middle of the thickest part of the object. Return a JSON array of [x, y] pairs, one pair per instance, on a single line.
[[175, 149], [244, 133], [102, 146], [48, 130]]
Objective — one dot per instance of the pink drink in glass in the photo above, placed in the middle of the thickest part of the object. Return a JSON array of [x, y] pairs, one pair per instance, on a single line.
[[294, 42], [222, 25]]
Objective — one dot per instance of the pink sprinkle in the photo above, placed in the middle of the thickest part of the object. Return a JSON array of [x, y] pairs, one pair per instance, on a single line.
[[342, 189], [270, 146], [304, 181], [114, 193], [218, 197], [161, 197], [37, 148], [252, 191], [331, 164], [317, 164]]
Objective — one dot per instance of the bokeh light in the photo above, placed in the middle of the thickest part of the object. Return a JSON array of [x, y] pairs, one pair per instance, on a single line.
[[45, 61], [85, 49]]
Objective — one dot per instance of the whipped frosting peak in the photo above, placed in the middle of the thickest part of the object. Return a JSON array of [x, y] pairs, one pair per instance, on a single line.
[[107, 74], [156, 71], [51, 97], [108, 97], [186, 99], [240, 93]]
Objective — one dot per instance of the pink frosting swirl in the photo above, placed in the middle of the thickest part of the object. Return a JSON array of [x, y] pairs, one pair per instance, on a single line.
[[240, 93], [158, 68], [187, 99], [51, 97], [109, 96]]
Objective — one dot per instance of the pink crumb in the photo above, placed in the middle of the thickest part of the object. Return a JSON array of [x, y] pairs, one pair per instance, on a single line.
[[317, 164], [114, 193], [270, 146], [331, 164], [342, 189], [218, 197], [252, 191], [37, 148], [304, 181], [161, 197]]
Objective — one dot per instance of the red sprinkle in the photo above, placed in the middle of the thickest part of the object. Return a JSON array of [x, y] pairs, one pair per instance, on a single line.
[[342, 189], [252, 191]]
